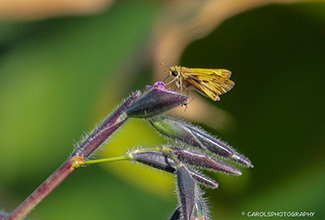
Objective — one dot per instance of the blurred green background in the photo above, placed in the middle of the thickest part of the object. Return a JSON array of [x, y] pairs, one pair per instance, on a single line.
[[61, 76]]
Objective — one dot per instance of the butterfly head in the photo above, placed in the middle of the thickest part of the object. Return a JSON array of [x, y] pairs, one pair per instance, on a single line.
[[174, 71]]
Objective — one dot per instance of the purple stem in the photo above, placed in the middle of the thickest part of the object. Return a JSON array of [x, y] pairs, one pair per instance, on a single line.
[[103, 131], [85, 149], [43, 190]]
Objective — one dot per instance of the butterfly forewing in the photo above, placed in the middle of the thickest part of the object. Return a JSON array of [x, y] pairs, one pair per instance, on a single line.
[[209, 82], [219, 72]]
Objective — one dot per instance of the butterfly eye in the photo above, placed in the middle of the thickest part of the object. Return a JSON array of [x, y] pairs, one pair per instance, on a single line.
[[174, 73]]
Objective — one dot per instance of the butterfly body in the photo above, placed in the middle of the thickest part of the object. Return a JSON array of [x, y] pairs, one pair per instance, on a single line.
[[209, 82]]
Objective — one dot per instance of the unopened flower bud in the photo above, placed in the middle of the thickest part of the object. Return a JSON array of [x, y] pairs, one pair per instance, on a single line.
[[204, 161], [162, 161], [200, 210], [156, 101], [193, 136], [186, 188]]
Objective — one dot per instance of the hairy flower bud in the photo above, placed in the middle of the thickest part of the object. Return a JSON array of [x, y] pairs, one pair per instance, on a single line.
[[156, 101], [163, 161], [186, 189], [196, 137], [200, 210], [204, 161]]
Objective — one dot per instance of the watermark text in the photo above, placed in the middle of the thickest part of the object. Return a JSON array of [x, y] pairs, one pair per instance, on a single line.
[[277, 214]]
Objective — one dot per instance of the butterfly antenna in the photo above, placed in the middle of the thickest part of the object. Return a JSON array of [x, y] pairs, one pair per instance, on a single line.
[[161, 63], [165, 78]]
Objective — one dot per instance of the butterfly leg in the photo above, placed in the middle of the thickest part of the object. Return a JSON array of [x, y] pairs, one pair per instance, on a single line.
[[171, 82], [180, 84]]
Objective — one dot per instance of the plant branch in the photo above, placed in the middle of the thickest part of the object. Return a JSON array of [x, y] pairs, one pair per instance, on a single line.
[[85, 149], [111, 159], [44, 189]]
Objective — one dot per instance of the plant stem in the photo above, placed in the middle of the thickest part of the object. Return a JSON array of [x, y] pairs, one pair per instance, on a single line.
[[85, 149], [44, 189], [111, 159], [105, 129]]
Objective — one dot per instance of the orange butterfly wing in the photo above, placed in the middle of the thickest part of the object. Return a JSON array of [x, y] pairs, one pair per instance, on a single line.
[[210, 82]]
